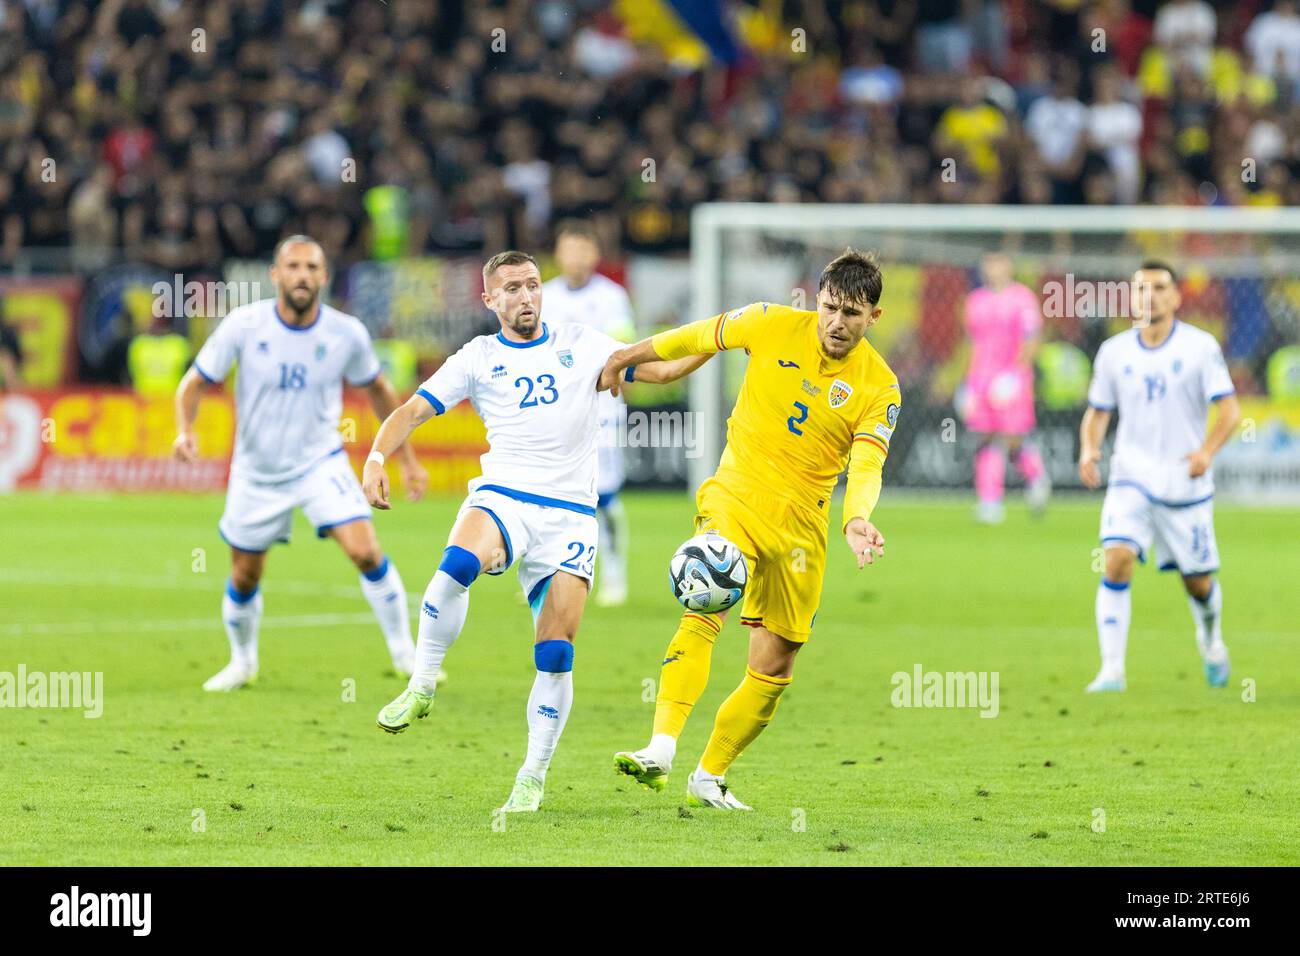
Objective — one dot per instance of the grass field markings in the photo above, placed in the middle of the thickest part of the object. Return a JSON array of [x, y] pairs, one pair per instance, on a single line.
[[193, 623]]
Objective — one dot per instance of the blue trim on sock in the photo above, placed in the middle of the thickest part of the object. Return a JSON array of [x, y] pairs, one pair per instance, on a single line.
[[505, 536], [463, 566], [553, 657], [1114, 585], [239, 597], [377, 573], [606, 499]]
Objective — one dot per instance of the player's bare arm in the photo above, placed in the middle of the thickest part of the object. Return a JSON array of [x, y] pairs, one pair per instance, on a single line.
[[1091, 432], [384, 400], [1225, 423], [665, 371], [392, 434], [185, 446], [638, 353]]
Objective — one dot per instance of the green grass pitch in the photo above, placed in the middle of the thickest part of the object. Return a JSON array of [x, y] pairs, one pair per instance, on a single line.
[[294, 772]]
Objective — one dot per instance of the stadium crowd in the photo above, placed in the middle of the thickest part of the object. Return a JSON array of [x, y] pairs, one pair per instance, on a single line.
[[186, 132]]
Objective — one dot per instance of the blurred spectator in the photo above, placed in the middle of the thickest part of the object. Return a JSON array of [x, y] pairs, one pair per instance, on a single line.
[[187, 157], [943, 38], [1273, 40], [1056, 125], [1186, 30], [1114, 129]]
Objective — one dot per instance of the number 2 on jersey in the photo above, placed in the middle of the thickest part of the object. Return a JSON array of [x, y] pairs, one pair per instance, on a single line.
[[792, 423], [548, 386]]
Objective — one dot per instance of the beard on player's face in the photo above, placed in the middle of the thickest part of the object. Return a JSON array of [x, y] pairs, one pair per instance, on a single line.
[[302, 296], [523, 320]]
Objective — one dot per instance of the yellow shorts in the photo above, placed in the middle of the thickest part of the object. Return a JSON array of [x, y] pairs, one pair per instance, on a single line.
[[783, 541]]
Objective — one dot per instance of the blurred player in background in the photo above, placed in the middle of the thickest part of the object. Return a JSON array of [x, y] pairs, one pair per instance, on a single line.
[[294, 354], [816, 396], [1162, 378], [1003, 319], [581, 294], [534, 386]]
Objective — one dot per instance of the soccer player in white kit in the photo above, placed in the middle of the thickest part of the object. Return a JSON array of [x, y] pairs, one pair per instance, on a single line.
[[1162, 376], [534, 506], [294, 354], [581, 294]]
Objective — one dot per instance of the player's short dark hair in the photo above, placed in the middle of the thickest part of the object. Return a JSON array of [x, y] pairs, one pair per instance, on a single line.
[[1160, 265], [579, 229], [854, 275], [511, 257], [294, 240]]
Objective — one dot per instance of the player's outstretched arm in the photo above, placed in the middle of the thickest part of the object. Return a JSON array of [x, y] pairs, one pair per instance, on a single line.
[[188, 392], [639, 353], [1225, 423], [663, 372], [392, 434], [1091, 432], [384, 400]]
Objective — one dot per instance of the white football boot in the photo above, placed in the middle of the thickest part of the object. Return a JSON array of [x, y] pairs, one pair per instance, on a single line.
[[711, 792], [231, 677]]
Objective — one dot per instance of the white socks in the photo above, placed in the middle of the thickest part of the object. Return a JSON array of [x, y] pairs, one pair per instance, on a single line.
[[383, 589], [548, 704], [1208, 617], [442, 615], [241, 614], [662, 749], [1114, 611]]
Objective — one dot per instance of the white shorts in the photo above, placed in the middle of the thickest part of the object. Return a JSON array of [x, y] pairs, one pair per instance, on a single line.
[[259, 514], [1182, 535], [540, 539]]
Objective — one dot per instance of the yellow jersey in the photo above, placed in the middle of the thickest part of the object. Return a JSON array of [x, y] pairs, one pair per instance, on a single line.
[[800, 416]]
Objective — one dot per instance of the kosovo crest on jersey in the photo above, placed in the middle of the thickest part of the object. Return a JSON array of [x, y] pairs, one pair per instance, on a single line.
[[566, 358], [320, 352], [839, 393]]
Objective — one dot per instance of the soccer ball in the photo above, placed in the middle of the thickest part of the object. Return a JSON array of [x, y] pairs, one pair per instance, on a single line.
[[708, 573]]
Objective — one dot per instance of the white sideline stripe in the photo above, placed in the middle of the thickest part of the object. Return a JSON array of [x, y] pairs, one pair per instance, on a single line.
[[183, 624], [195, 582]]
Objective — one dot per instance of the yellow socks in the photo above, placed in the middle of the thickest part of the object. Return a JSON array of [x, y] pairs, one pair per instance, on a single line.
[[685, 672], [741, 718]]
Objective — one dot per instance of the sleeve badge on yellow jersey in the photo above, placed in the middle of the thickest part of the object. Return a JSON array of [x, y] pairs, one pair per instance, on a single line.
[[839, 393], [891, 415]]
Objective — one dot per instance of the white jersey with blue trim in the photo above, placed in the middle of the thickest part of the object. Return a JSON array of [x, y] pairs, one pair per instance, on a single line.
[[1162, 395], [603, 305], [289, 385], [538, 401]]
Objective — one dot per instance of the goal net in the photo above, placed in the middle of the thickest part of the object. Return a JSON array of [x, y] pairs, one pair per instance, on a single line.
[[1239, 276]]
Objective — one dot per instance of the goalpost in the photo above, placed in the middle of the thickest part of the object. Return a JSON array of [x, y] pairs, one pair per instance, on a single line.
[[1239, 274]]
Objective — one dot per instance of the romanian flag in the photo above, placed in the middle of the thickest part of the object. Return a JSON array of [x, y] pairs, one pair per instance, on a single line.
[[690, 33]]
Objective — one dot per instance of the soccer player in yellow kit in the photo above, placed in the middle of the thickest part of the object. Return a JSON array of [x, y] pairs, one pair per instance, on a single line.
[[816, 396]]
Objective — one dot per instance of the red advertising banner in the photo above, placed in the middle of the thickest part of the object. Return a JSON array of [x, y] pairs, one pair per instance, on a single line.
[[100, 439]]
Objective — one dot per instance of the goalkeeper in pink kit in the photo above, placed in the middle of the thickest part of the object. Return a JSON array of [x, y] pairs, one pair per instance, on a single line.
[[1003, 320]]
